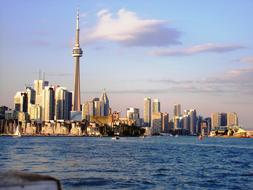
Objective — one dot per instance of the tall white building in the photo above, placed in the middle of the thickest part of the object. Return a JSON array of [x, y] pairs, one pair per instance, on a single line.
[[147, 111], [133, 113], [232, 119], [39, 86], [156, 106], [21, 101]]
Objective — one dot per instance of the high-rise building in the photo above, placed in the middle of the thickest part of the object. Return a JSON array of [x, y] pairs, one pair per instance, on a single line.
[[215, 120], [147, 111], [39, 85], [178, 122], [35, 112], [156, 125], [98, 107], [133, 113], [186, 121], [31, 96], [232, 119], [223, 119], [77, 53], [165, 122], [63, 102], [193, 121], [156, 106], [48, 103], [21, 102], [105, 99], [177, 109]]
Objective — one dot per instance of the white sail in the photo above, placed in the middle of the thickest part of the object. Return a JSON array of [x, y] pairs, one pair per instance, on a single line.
[[17, 132]]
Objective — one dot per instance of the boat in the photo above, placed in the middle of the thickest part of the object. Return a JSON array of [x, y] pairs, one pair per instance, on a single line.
[[176, 135], [115, 138], [142, 136], [17, 132]]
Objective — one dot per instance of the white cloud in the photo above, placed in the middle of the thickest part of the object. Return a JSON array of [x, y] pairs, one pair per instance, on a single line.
[[128, 29], [210, 47]]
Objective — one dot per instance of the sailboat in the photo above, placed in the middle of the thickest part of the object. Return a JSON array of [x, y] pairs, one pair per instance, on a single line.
[[17, 133]]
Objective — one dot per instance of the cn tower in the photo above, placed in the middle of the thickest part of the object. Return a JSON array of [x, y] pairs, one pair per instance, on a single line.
[[77, 53]]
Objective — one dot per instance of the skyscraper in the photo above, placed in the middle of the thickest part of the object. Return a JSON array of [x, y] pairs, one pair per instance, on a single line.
[[232, 119], [77, 53], [105, 99], [215, 120], [21, 101], [193, 121], [39, 85], [63, 101], [48, 104], [177, 110], [165, 122], [156, 106], [133, 113], [147, 111]]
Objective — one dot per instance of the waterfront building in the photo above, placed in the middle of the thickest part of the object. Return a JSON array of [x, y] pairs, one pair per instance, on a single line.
[[31, 96], [215, 120], [147, 111], [63, 102], [177, 110], [209, 125], [48, 103], [165, 122], [105, 101], [21, 102], [133, 113], [88, 110], [198, 125], [39, 86], [223, 119], [186, 121], [77, 53], [204, 128], [98, 107], [232, 119], [156, 122], [193, 121], [35, 112], [156, 106], [178, 122]]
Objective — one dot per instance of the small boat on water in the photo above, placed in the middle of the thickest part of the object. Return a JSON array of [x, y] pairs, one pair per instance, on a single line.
[[17, 132], [176, 135], [142, 136], [115, 138]]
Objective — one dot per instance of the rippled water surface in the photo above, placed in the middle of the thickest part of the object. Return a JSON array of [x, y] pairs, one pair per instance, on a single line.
[[134, 163]]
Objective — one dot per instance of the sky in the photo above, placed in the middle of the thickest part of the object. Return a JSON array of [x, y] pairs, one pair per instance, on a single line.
[[196, 53]]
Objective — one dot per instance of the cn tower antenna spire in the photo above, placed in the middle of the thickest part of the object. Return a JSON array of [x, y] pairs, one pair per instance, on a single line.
[[77, 53]]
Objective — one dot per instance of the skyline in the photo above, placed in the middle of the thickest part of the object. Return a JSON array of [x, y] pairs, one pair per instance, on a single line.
[[171, 69]]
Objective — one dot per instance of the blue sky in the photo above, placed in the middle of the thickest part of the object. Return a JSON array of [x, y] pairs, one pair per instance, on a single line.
[[197, 53]]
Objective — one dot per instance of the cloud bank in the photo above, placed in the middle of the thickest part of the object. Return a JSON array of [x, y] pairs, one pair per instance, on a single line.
[[127, 29], [203, 48]]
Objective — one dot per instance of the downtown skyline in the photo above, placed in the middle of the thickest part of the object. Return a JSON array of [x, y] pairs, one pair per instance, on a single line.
[[197, 65]]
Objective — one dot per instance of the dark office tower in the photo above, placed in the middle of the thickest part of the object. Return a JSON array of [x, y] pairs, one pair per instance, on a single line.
[[77, 53], [223, 119], [193, 121]]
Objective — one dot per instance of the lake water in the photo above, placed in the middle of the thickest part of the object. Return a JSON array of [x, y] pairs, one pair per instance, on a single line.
[[134, 163]]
